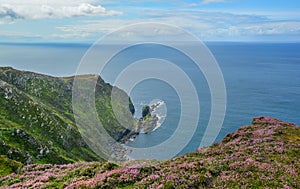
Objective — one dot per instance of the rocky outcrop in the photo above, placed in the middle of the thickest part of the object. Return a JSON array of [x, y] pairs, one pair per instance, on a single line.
[[146, 111], [148, 125], [149, 120]]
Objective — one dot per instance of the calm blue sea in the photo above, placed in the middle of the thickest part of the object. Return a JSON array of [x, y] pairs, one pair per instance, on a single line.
[[260, 78]]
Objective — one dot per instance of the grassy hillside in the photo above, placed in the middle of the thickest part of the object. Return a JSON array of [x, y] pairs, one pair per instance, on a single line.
[[37, 123], [263, 155]]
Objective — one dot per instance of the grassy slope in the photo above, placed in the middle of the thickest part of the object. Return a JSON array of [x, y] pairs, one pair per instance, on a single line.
[[8, 166], [36, 119], [263, 155]]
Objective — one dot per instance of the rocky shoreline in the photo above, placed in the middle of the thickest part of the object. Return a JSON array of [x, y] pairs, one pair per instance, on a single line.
[[149, 121], [146, 124]]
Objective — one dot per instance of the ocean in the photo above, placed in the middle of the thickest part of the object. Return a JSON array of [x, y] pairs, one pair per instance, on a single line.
[[260, 79]]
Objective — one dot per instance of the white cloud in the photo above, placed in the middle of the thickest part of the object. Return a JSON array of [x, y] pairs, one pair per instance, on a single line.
[[100, 27], [19, 34], [212, 1], [37, 9], [206, 25], [269, 28]]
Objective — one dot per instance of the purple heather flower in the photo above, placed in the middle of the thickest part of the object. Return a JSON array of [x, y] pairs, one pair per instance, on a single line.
[[269, 132], [287, 187]]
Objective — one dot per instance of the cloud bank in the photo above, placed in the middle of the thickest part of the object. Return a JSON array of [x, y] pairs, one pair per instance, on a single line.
[[39, 9], [89, 20], [206, 25]]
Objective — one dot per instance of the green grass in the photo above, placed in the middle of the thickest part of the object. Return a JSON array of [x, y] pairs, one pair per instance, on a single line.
[[41, 107], [8, 166]]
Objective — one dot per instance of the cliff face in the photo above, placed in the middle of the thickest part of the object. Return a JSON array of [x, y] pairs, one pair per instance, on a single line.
[[36, 118], [263, 155]]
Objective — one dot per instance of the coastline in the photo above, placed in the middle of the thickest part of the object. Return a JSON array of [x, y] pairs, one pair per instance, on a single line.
[[154, 122]]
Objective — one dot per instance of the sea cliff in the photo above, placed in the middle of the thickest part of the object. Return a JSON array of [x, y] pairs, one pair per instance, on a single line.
[[37, 123]]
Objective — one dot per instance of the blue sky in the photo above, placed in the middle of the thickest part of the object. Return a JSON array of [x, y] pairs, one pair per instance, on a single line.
[[210, 20]]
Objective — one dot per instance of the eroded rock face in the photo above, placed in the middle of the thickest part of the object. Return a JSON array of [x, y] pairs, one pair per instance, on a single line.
[[149, 120], [146, 111], [148, 124]]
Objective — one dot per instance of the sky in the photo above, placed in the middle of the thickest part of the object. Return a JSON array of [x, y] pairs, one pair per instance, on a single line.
[[85, 21]]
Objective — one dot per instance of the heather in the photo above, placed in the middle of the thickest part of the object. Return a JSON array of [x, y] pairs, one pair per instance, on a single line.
[[263, 155]]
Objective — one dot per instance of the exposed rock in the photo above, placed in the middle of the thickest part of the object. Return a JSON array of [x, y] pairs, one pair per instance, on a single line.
[[149, 121], [146, 111], [147, 125]]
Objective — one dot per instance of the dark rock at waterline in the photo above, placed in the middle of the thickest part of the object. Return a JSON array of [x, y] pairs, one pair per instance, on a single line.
[[145, 111], [131, 107], [149, 120], [148, 125]]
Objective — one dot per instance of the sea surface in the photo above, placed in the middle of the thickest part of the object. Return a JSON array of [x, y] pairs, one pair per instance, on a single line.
[[260, 79]]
